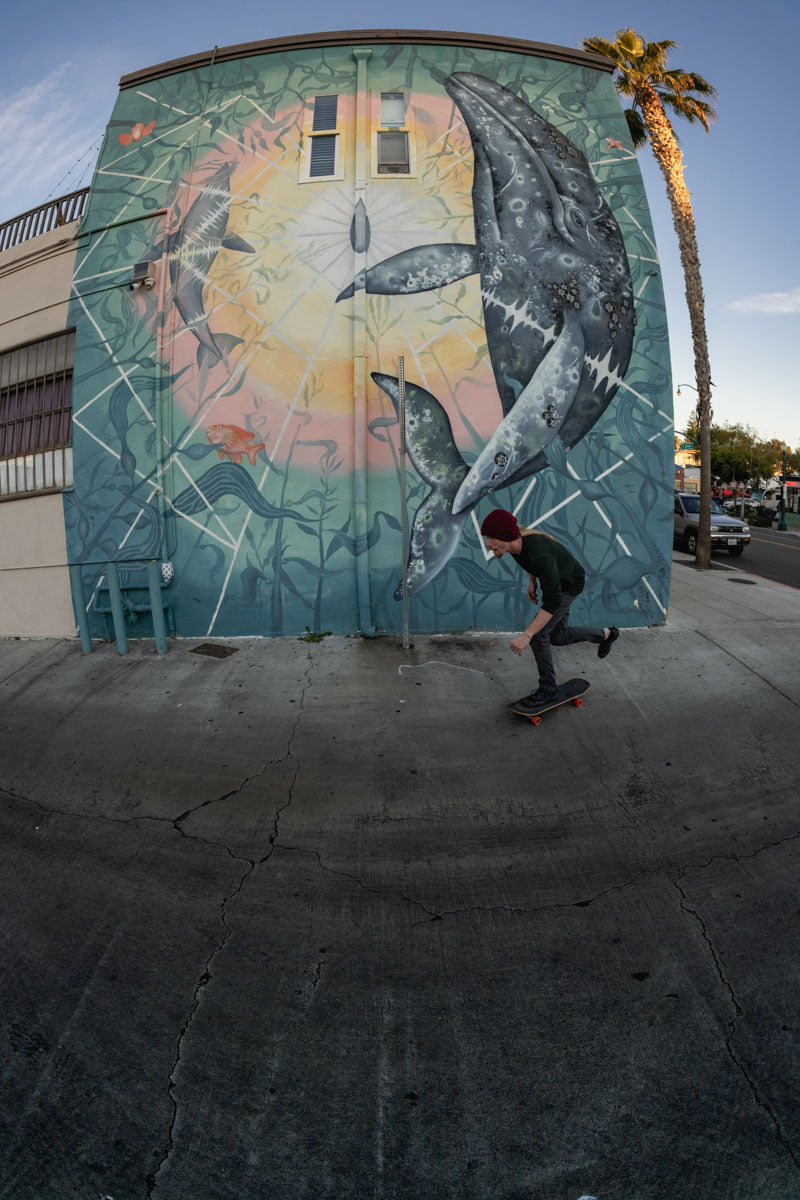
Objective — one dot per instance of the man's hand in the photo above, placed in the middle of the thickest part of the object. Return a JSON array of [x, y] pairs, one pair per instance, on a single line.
[[521, 642], [533, 595]]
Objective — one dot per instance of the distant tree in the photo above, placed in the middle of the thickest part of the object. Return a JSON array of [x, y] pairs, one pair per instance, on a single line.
[[642, 72], [739, 455]]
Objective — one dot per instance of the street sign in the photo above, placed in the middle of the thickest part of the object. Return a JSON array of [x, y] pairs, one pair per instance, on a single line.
[[687, 446]]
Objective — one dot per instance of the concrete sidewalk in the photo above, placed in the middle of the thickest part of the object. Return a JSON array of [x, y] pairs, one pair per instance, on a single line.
[[325, 920]]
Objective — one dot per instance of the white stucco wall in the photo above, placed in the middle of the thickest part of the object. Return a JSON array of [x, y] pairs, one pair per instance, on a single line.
[[34, 580], [35, 282]]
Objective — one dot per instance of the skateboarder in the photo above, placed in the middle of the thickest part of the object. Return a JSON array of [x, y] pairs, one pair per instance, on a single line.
[[561, 577]]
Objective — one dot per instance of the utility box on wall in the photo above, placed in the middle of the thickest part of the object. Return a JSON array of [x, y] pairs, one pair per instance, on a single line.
[[271, 228]]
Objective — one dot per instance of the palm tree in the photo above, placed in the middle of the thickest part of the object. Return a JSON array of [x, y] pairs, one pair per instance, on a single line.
[[641, 72]]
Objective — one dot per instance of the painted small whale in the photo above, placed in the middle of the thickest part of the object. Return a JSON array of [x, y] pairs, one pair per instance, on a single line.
[[192, 249], [555, 284], [431, 447]]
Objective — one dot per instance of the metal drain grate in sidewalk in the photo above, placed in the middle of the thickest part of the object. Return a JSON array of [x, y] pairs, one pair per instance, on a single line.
[[749, 582], [212, 650]]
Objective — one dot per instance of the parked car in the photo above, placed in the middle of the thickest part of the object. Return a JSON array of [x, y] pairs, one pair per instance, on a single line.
[[727, 533]]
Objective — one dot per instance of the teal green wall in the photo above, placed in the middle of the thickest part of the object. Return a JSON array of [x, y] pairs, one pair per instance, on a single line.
[[268, 544]]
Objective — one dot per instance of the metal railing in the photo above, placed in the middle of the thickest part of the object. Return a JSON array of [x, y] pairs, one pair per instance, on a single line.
[[47, 216]]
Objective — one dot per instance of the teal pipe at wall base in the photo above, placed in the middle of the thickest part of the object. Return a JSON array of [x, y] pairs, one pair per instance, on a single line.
[[79, 605], [156, 606]]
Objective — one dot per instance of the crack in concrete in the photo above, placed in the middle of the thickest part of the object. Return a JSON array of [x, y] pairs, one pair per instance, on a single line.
[[543, 908], [432, 914], [738, 1011], [151, 1180], [769, 682]]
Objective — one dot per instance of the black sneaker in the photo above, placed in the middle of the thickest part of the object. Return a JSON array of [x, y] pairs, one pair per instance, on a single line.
[[607, 642]]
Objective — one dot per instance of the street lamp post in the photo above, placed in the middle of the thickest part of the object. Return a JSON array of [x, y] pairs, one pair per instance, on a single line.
[[782, 522]]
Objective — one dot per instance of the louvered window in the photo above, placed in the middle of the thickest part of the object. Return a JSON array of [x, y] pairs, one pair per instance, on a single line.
[[325, 113], [323, 132], [323, 156]]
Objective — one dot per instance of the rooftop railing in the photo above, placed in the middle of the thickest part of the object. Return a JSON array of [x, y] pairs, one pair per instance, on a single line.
[[42, 219]]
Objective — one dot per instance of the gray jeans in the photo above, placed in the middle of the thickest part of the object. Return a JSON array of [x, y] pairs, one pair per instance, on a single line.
[[558, 632]]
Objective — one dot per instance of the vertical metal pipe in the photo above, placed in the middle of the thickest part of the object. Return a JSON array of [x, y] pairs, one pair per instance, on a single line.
[[117, 613], [157, 606], [79, 605], [401, 385], [360, 505]]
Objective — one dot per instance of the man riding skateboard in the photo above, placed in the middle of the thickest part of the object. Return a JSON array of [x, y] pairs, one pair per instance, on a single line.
[[561, 577]]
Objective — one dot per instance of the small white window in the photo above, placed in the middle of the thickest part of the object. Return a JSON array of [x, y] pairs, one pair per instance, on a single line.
[[392, 135], [393, 152], [393, 108], [323, 132]]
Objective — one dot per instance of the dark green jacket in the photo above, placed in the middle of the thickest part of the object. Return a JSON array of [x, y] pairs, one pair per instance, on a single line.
[[553, 565]]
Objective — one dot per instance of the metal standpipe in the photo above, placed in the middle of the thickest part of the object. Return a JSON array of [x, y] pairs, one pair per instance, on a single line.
[[117, 606], [157, 605], [401, 384], [79, 605], [117, 611]]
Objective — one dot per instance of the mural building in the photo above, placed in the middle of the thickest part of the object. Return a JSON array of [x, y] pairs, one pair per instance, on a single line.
[[269, 232]]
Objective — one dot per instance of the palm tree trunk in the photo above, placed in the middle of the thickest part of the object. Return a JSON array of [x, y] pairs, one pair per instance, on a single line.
[[670, 160]]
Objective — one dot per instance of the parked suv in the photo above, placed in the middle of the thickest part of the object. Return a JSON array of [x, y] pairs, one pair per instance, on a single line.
[[727, 533]]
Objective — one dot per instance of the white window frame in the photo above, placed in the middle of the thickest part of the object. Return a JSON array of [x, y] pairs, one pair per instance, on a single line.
[[407, 128], [308, 135]]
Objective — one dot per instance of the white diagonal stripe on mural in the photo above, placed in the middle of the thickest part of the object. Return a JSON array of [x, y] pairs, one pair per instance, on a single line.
[[130, 175], [265, 475], [123, 375], [644, 399], [163, 103], [117, 364], [641, 229], [209, 403], [193, 484]]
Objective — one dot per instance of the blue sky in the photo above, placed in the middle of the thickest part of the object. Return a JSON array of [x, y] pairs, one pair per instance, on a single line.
[[60, 84]]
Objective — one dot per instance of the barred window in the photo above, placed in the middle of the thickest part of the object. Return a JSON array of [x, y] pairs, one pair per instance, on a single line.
[[36, 414]]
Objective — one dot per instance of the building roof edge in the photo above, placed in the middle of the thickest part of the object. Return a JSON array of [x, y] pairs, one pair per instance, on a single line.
[[354, 37]]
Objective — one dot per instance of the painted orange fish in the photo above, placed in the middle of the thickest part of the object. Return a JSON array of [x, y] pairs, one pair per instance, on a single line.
[[234, 441], [138, 131]]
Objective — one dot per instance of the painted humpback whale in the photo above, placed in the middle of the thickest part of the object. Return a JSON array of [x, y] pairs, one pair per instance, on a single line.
[[555, 284], [192, 249]]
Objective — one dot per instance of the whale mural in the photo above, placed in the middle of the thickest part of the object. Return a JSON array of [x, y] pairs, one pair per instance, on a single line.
[[557, 303], [191, 251], [240, 419]]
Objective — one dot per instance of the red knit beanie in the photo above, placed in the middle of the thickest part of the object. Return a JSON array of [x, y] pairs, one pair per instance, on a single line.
[[500, 524]]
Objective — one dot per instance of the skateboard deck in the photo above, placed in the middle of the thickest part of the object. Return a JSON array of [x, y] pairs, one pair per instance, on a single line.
[[572, 691]]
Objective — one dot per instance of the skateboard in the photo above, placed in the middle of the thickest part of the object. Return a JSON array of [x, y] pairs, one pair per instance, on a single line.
[[573, 690]]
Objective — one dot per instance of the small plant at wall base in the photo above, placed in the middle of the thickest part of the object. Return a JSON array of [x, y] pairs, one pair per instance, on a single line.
[[642, 73], [310, 636]]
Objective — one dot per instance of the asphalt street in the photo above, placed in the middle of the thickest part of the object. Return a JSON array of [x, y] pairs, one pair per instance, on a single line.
[[326, 920], [772, 555]]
